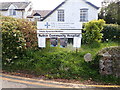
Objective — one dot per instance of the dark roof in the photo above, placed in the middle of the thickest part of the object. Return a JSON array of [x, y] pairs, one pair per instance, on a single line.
[[64, 3], [42, 13], [36, 14], [20, 5]]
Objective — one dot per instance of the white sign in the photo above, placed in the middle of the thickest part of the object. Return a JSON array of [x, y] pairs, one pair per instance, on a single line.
[[58, 25], [59, 35], [77, 42], [58, 31]]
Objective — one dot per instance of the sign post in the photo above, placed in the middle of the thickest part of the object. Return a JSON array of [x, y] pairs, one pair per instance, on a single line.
[[42, 42]]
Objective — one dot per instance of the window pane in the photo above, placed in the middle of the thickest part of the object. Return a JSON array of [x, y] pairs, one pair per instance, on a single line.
[[12, 12], [54, 42], [63, 42], [60, 15], [83, 15]]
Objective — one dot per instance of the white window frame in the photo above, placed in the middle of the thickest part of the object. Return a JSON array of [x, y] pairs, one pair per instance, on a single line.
[[61, 15], [84, 15]]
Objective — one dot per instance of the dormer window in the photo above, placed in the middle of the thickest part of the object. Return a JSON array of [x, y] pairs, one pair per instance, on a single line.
[[12, 12], [37, 17]]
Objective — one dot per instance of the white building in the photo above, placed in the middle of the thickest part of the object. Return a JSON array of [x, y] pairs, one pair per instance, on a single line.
[[16, 9], [71, 11]]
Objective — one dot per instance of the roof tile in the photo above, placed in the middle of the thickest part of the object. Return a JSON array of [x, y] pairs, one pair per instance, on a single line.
[[20, 5]]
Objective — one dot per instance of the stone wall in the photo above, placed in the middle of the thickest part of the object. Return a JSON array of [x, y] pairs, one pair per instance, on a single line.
[[109, 62]]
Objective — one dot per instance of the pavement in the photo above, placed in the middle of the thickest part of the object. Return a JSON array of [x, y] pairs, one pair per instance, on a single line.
[[12, 81]]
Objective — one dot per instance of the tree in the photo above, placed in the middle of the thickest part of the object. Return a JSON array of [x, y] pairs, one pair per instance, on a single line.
[[111, 13]]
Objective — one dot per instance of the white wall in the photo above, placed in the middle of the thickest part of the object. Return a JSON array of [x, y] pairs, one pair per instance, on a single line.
[[6, 13], [72, 11], [27, 10]]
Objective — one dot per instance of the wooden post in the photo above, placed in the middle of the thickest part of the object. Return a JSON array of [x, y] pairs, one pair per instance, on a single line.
[[76, 50]]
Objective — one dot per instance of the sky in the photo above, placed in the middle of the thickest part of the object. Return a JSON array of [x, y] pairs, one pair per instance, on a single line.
[[49, 4]]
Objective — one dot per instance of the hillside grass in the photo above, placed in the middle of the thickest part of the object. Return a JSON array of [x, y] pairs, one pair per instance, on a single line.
[[64, 63]]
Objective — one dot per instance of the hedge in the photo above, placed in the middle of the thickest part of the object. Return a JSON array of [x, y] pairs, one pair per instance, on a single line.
[[17, 36], [111, 32]]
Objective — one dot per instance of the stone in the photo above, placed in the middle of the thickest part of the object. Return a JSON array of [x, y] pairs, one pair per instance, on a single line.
[[88, 57], [109, 63], [106, 55], [101, 64]]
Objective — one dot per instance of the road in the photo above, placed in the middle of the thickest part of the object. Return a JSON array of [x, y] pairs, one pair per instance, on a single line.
[[10, 81], [10, 84]]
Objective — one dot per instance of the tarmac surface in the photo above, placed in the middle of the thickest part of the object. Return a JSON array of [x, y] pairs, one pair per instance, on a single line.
[[11, 82]]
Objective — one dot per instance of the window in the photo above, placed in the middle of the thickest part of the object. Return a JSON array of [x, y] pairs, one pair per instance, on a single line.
[[37, 19], [83, 15], [61, 15], [12, 12]]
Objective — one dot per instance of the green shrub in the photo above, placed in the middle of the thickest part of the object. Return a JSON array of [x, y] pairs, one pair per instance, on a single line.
[[29, 31], [111, 32], [17, 35], [13, 42], [93, 31], [27, 28]]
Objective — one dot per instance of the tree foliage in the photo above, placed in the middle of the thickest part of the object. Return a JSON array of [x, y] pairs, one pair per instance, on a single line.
[[93, 31], [111, 13], [111, 32], [13, 42]]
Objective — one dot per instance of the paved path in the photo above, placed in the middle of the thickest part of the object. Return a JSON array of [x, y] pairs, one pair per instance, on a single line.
[[10, 81]]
